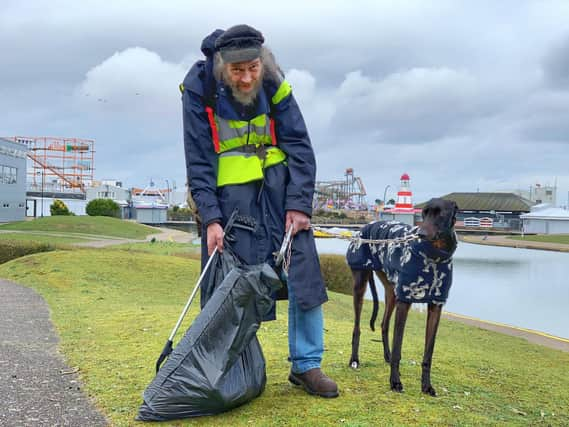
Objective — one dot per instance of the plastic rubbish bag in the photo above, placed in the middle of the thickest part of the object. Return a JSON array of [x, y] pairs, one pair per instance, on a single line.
[[218, 365]]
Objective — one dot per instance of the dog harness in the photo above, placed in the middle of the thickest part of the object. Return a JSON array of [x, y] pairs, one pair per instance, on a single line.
[[420, 272]]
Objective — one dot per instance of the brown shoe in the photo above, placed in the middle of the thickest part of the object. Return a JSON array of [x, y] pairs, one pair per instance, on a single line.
[[315, 382]]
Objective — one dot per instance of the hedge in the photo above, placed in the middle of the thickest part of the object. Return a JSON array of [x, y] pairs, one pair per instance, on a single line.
[[12, 249], [337, 274]]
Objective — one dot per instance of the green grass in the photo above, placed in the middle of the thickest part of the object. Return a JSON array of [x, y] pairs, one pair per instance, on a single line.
[[162, 248], [43, 238], [550, 238], [114, 310], [87, 225]]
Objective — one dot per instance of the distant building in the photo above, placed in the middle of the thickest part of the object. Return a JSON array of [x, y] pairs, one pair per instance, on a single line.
[[12, 180], [539, 194], [545, 219], [150, 205], [496, 210], [543, 194]]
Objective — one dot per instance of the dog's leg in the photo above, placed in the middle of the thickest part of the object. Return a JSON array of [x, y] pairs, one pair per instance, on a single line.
[[400, 319], [360, 284], [389, 298], [433, 318]]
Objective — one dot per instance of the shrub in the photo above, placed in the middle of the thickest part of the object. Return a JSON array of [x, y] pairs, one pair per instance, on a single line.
[[103, 207], [59, 208], [12, 249], [337, 274], [180, 214]]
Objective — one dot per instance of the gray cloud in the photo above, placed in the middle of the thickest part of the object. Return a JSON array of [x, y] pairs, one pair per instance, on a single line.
[[459, 95], [556, 65]]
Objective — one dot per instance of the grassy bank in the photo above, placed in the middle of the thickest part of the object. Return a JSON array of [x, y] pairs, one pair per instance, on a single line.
[[86, 225], [41, 237], [115, 308], [551, 238]]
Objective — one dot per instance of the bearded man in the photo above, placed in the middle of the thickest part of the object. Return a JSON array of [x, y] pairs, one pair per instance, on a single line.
[[247, 147]]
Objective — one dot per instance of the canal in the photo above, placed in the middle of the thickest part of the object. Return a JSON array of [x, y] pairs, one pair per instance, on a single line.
[[519, 287]]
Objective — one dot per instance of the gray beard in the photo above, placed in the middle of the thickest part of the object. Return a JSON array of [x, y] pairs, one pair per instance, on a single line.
[[248, 98]]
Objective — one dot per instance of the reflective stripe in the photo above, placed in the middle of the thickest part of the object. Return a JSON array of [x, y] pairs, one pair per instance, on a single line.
[[234, 133], [212, 124], [240, 141], [260, 121], [273, 133], [282, 92], [181, 87], [235, 167]]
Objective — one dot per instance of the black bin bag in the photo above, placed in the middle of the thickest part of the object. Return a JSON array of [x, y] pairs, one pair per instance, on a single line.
[[218, 365]]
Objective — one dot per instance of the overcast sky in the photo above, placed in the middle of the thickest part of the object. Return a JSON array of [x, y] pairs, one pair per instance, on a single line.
[[462, 96]]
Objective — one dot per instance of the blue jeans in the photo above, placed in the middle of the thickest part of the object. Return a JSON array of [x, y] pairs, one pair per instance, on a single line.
[[305, 336]]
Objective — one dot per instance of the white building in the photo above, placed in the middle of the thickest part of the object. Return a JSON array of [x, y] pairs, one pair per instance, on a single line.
[[12, 180], [544, 219]]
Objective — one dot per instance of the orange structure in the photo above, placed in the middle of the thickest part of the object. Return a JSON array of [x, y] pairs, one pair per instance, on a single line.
[[59, 164], [341, 194]]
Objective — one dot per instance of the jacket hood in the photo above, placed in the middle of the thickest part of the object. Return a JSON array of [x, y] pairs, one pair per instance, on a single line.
[[208, 44]]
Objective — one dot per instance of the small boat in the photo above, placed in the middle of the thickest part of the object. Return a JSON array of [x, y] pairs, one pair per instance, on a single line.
[[318, 233]]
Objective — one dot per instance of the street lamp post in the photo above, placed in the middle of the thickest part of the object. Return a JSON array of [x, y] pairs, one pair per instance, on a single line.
[[385, 195], [168, 190], [41, 172]]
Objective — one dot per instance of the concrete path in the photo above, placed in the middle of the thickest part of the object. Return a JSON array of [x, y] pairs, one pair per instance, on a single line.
[[162, 235], [37, 388], [534, 337]]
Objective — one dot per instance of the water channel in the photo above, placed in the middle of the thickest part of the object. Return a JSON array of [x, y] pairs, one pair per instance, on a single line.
[[520, 287]]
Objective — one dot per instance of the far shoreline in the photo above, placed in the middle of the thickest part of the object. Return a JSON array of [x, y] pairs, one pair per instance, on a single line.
[[504, 241]]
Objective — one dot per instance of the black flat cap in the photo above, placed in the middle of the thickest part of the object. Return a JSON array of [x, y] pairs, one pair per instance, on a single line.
[[240, 43]]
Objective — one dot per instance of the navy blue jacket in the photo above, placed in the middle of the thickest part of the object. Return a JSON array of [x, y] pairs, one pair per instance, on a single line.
[[287, 186]]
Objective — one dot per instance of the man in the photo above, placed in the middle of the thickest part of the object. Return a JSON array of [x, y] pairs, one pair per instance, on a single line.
[[247, 147]]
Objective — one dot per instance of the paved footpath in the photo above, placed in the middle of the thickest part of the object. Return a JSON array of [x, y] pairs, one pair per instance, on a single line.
[[162, 235], [37, 388]]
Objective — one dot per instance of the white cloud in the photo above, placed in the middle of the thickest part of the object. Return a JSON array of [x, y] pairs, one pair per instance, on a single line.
[[131, 82]]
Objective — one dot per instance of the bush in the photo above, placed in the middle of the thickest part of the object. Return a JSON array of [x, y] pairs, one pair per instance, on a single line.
[[103, 207], [180, 214], [12, 249], [337, 274], [59, 208]]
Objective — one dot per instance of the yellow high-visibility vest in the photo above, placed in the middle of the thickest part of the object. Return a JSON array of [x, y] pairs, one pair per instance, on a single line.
[[246, 148]]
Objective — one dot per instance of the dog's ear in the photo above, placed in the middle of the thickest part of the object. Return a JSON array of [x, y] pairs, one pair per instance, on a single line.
[[455, 211], [427, 209]]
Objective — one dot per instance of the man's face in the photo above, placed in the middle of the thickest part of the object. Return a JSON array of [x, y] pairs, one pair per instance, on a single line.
[[244, 78]]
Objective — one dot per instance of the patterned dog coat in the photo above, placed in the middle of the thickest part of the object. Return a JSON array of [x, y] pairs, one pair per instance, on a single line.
[[420, 272]]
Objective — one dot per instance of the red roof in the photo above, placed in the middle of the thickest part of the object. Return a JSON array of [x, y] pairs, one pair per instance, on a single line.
[[404, 177]]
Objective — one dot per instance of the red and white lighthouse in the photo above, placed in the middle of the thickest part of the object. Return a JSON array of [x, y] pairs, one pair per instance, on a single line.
[[404, 195]]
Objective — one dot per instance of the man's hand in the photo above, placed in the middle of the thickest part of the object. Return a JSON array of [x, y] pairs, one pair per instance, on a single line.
[[299, 220], [214, 237]]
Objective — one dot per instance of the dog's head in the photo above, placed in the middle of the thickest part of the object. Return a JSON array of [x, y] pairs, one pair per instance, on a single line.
[[439, 217]]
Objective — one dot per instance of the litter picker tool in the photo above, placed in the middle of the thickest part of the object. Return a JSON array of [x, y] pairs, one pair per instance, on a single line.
[[280, 255], [168, 346]]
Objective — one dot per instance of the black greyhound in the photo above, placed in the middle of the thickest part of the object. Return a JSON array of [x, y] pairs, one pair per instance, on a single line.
[[414, 264]]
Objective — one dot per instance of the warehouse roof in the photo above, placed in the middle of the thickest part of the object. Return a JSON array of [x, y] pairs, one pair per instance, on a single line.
[[503, 202]]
